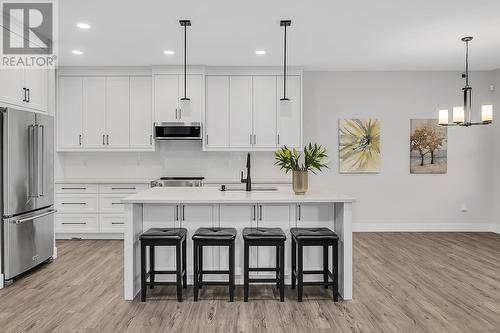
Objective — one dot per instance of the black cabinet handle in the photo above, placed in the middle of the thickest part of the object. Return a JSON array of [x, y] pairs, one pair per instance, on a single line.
[[74, 223], [73, 188], [73, 203], [117, 223], [28, 99], [24, 95]]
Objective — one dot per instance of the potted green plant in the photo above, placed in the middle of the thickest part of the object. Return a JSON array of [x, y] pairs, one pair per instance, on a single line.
[[290, 159]]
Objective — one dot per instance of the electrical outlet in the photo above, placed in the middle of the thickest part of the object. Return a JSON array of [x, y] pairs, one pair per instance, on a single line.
[[463, 208]]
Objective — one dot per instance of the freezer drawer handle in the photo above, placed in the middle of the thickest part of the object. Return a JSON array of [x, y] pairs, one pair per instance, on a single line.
[[52, 211], [117, 203], [117, 222], [73, 188], [123, 188], [73, 203], [74, 223]]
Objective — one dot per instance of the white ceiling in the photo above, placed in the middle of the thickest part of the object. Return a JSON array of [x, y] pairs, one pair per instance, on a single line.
[[325, 34]]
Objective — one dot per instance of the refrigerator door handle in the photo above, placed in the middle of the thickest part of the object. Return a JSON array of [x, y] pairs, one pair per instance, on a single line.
[[50, 212], [41, 146], [31, 161]]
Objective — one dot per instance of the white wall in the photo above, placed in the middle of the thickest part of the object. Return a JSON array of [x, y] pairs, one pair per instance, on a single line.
[[496, 145], [391, 200], [395, 196]]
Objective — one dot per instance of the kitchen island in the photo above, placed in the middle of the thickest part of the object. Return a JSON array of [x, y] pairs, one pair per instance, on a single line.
[[192, 208]]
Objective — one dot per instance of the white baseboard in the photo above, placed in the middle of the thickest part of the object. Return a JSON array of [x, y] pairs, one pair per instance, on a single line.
[[1, 281], [90, 236], [54, 254], [425, 227]]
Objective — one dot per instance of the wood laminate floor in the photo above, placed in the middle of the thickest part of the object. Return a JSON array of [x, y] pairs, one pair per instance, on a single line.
[[403, 282]]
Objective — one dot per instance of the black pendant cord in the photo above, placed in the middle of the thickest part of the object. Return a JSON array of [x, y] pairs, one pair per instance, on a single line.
[[285, 24], [185, 24], [466, 63], [284, 69]]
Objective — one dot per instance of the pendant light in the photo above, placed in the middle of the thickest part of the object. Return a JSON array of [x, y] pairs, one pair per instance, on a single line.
[[185, 104], [285, 107], [462, 114]]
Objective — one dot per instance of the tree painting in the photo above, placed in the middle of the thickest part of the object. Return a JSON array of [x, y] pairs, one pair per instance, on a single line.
[[428, 146]]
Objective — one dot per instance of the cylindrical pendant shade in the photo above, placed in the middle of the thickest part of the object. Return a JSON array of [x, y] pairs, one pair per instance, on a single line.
[[458, 114], [487, 113], [443, 117]]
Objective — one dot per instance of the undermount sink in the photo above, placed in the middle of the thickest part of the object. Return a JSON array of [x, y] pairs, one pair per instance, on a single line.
[[224, 188]]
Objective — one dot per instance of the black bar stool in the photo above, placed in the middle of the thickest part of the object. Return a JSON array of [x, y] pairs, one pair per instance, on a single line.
[[163, 237], [314, 237], [265, 237], [213, 237]]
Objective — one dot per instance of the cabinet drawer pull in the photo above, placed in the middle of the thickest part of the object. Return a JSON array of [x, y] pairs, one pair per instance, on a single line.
[[300, 212], [260, 213], [117, 203], [74, 223], [123, 188], [73, 188], [80, 139], [73, 203], [28, 99], [107, 139], [117, 222]]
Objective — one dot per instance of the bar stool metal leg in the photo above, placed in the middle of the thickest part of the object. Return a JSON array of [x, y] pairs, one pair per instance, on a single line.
[[143, 272], [325, 265], [178, 268], [300, 272], [282, 271], [152, 265], [195, 269], [294, 262], [246, 256], [231, 272], [184, 269], [335, 269]]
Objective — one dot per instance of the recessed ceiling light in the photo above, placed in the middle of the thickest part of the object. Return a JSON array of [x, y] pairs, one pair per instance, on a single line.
[[260, 52], [78, 52], [83, 26], [168, 52]]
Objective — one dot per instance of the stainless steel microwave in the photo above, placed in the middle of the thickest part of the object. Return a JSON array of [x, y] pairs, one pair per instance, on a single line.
[[172, 130]]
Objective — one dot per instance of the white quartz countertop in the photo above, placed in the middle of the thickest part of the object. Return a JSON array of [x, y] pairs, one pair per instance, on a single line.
[[174, 195], [104, 181]]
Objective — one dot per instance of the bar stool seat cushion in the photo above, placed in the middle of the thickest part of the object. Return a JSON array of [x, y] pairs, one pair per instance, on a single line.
[[215, 234], [164, 233], [263, 233], [313, 233]]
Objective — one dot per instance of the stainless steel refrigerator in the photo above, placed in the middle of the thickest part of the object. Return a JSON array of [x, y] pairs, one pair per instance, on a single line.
[[27, 190]]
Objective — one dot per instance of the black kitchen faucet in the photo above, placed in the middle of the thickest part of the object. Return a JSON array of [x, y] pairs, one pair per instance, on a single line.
[[248, 180]]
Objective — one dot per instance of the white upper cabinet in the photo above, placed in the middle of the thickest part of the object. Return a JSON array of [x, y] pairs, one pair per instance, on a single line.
[[244, 112], [168, 91], [24, 88], [264, 111], [166, 97], [36, 82], [94, 112], [117, 112], [99, 113], [240, 115], [217, 113], [70, 112], [141, 122], [290, 116]]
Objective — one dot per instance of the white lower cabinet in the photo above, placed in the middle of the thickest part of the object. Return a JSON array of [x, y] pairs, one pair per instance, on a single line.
[[314, 215], [76, 223], [239, 217], [86, 209]]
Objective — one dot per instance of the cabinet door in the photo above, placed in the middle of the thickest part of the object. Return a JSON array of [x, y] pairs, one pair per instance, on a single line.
[[310, 216], [239, 217], [290, 116], [117, 112], [36, 81], [94, 112], [274, 216], [141, 122], [162, 216], [12, 80], [166, 98], [217, 112], [240, 111], [192, 110], [264, 111], [69, 113], [192, 218]]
